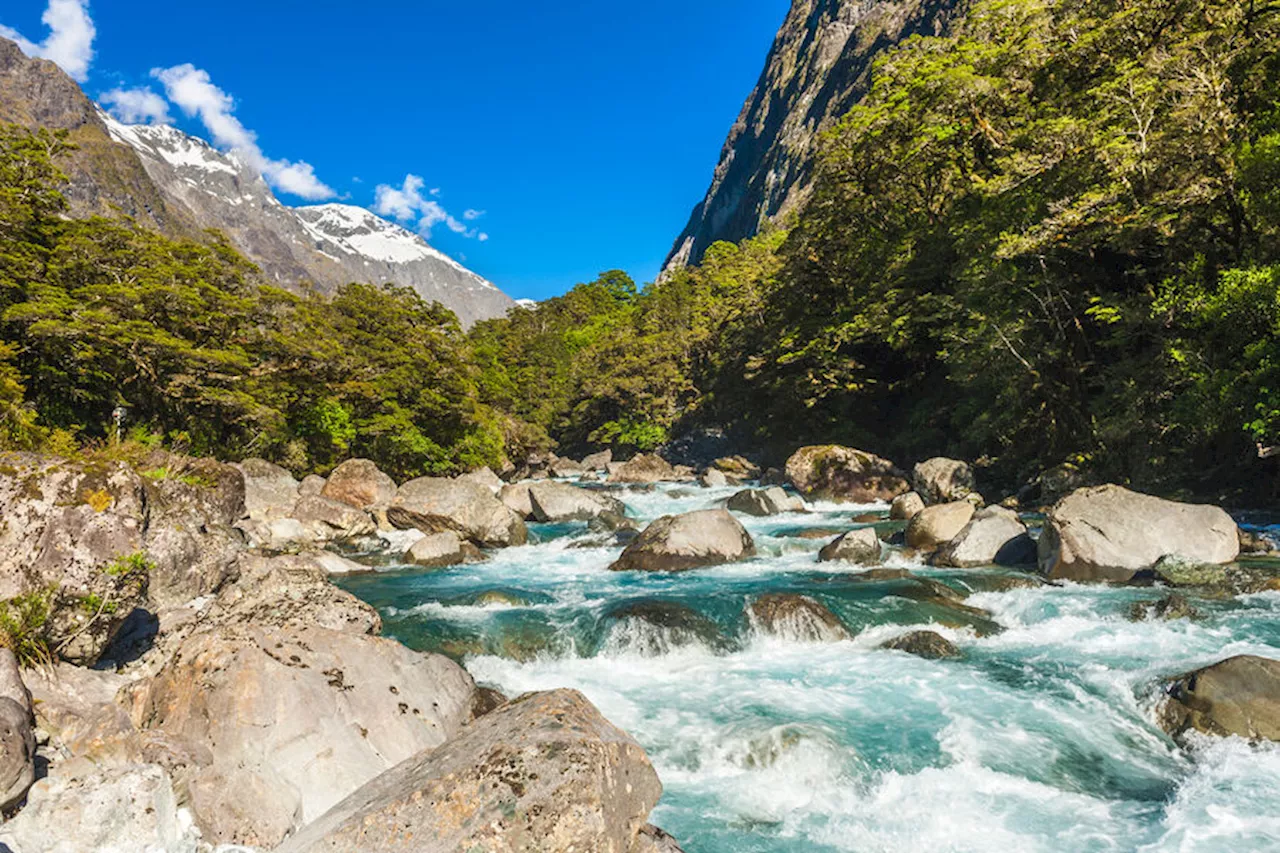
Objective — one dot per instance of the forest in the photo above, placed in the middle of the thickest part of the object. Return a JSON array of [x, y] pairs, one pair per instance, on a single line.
[[1048, 238]]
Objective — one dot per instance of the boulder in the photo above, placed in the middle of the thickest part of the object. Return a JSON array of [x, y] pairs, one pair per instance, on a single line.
[[598, 462], [311, 486], [1111, 534], [432, 505], [713, 479], [336, 564], [857, 546], [642, 469], [360, 484], [1238, 696], [676, 624], [484, 477], [438, 550], [677, 543], [17, 738], [938, 525], [1171, 607], [940, 480], [543, 772], [837, 473], [515, 497], [566, 468], [112, 809], [328, 520], [924, 644], [285, 723], [552, 503], [269, 490], [994, 537], [765, 502], [906, 507], [798, 618], [738, 469]]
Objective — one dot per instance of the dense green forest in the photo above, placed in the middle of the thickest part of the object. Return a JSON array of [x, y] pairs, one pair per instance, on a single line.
[[1049, 237]]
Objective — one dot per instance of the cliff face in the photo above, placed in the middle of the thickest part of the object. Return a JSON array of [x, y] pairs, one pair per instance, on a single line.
[[817, 70]]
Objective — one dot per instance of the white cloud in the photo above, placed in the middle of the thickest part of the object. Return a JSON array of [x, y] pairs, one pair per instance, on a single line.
[[70, 39], [408, 205], [194, 92], [136, 106]]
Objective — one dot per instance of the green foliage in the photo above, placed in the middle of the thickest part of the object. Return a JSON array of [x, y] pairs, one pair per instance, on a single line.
[[136, 565], [23, 627]]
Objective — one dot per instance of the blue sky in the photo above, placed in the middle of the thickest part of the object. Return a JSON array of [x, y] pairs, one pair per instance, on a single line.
[[577, 136]]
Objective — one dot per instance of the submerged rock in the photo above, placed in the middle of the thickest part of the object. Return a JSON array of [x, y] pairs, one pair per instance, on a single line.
[[941, 480], [1111, 534], [857, 546], [796, 617], [560, 502], [677, 543], [924, 644], [938, 525], [359, 483], [837, 473], [285, 723], [1239, 696], [1171, 607], [677, 626], [906, 507], [543, 772], [433, 504], [994, 537], [764, 502]]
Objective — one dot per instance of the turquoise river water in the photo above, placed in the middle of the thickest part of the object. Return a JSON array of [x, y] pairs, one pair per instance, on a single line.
[[1040, 738]]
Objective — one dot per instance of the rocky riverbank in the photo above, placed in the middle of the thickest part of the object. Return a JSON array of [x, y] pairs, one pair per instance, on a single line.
[[197, 680]]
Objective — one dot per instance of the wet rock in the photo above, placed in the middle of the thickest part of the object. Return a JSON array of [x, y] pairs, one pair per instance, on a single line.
[[796, 617], [433, 505], [677, 543], [486, 701], [940, 480], [857, 546], [1178, 572], [817, 533], [613, 522], [994, 537], [906, 507], [1170, 607], [1111, 534], [991, 582], [837, 473], [1239, 696], [876, 575], [84, 807], [499, 597], [868, 518], [559, 502], [546, 771], [924, 644], [938, 525], [270, 491], [360, 484], [680, 625], [654, 840], [765, 502], [438, 550], [645, 468], [289, 722], [1255, 544]]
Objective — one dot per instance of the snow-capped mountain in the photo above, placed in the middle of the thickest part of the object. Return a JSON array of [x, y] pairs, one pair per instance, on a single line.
[[328, 245]]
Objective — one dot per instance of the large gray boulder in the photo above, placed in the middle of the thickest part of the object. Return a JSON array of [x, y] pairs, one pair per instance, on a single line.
[[598, 462], [359, 483], [940, 480], [544, 772], [269, 490], [433, 504], [282, 724], [938, 525], [17, 737], [798, 618], [861, 547], [552, 503], [483, 477], [906, 507], [995, 537], [1239, 696], [515, 497], [832, 472], [765, 502], [329, 520], [678, 543], [1111, 534]]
